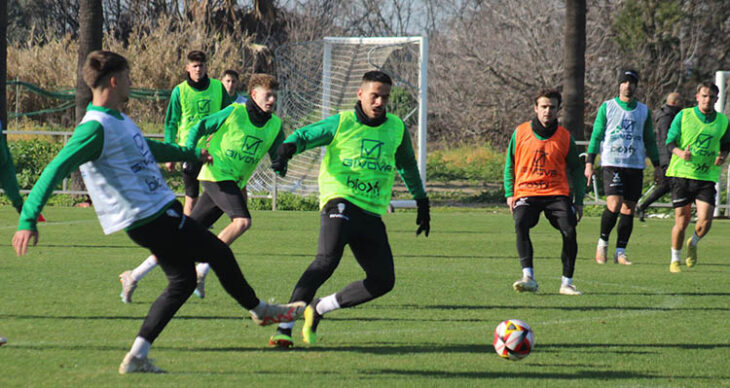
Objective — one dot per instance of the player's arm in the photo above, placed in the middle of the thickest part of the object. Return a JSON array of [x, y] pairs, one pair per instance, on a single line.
[[313, 135], [650, 141], [166, 152], [173, 116], [8, 180], [724, 147], [674, 139], [84, 145], [509, 171], [575, 169], [598, 134], [280, 137], [208, 125], [407, 167]]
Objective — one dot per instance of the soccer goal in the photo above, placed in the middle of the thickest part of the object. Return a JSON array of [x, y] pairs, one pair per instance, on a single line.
[[320, 78]]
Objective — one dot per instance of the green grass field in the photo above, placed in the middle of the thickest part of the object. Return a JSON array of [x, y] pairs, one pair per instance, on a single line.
[[634, 326]]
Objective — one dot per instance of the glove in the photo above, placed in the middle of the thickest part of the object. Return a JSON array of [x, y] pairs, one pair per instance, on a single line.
[[659, 174], [188, 167], [283, 154], [423, 220]]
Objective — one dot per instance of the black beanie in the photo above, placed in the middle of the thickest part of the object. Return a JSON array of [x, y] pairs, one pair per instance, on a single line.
[[628, 75]]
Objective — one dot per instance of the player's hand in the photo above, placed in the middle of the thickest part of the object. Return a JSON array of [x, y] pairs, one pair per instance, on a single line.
[[578, 213], [588, 173], [423, 220], [511, 203], [22, 238], [685, 154], [205, 156], [285, 152], [170, 166], [719, 160]]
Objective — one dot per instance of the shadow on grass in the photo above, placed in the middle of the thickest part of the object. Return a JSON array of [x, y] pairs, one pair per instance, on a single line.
[[577, 375]]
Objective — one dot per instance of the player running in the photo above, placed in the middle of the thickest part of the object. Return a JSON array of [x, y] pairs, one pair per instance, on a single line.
[[535, 180], [241, 136], [699, 143], [364, 147], [624, 135], [119, 168]]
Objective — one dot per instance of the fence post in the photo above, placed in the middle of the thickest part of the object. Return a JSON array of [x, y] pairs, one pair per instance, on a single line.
[[17, 102]]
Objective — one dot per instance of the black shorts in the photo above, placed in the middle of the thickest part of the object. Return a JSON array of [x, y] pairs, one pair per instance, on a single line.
[[190, 171], [558, 210], [685, 191], [623, 181], [218, 198]]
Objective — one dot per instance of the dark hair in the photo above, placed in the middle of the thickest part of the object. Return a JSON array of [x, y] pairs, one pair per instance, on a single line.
[[100, 66], [377, 76], [232, 73], [265, 80], [709, 85], [197, 56], [548, 93]]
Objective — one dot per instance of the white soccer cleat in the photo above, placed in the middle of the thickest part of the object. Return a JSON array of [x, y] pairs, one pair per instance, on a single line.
[[3, 341], [621, 258], [601, 253], [569, 289], [132, 364], [276, 313], [525, 284], [128, 286], [200, 287]]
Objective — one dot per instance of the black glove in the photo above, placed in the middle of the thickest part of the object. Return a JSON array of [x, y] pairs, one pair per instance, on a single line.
[[659, 174], [423, 220], [283, 154], [188, 167]]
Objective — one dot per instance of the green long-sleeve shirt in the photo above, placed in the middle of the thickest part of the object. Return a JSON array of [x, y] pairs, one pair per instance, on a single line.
[[86, 144], [323, 132], [8, 180], [573, 165], [599, 132], [173, 116]]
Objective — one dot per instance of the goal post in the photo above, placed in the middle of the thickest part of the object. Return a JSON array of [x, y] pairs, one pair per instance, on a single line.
[[721, 82], [320, 78]]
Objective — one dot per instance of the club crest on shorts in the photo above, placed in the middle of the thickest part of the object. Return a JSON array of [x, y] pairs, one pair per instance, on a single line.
[[340, 210]]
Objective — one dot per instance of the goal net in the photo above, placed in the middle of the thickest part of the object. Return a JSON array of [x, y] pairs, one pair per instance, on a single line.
[[320, 78]]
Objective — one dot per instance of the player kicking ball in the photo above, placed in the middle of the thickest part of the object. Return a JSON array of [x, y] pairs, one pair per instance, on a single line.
[[352, 198], [535, 181], [239, 137], [119, 168]]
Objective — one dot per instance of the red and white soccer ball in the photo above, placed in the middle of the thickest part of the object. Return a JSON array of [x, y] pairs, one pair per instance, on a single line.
[[513, 339]]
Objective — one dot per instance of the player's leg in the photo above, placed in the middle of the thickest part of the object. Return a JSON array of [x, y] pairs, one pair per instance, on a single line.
[[526, 213], [130, 278], [614, 188], [660, 190], [682, 199], [335, 222], [219, 198], [632, 179], [190, 171], [369, 244], [561, 214], [705, 203]]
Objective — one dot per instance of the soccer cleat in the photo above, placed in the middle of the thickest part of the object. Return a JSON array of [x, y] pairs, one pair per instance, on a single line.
[[311, 321], [569, 289], [132, 364], [621, 258], [200, 287], [691, 254], [601, 253], [525, 284], [641, 214], [275, 313], [128, 286], [674, 267], [282, 339], [3, 341]]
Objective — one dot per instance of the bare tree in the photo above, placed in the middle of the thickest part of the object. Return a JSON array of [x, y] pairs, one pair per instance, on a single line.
[[3, 64], [90, 38]]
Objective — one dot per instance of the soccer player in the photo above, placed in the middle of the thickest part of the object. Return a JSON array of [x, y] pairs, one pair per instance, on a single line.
[[663, 120], [241, 136], [623, 133], [230, 82], [699, 142], [539, 155], [191, 100], [119, 168], [363, 148]]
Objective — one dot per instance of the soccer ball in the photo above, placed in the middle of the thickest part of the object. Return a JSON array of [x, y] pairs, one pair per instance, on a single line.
[[513, 339]]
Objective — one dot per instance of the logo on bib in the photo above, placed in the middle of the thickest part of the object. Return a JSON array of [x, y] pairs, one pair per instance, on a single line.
[[251, 145], [204, 106], [370, 149]]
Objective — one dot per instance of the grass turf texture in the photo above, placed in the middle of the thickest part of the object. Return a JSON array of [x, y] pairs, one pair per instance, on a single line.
[[634, 326]]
